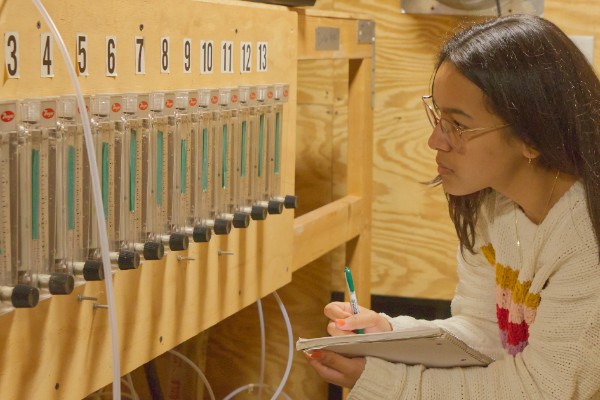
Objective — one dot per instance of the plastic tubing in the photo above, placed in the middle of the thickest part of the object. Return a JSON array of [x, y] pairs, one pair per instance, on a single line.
[[263, 347], [261, 385], [198, 371], [288, 326], [87, 131]]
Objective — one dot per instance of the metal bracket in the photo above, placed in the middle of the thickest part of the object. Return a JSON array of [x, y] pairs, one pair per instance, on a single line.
[[472, 7], [366, 31]]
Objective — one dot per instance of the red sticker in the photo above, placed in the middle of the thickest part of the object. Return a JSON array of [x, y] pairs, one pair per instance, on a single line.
[[234, 98], [270, 94], [214, 99], [193, 101], [285, 93], [47, 113], [169, 103], [116, 107], [143, 105], [252, 95], [7, 116]]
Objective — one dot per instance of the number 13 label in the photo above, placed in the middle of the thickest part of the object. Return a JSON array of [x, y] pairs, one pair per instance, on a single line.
[[261, 56]]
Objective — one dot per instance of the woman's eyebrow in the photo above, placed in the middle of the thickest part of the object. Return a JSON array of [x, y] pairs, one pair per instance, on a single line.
[[455, 111]]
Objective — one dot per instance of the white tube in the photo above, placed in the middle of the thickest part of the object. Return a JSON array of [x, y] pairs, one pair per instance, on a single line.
[[263, 348], [198, 371], [249, 387], [96, 190], [288, 325]]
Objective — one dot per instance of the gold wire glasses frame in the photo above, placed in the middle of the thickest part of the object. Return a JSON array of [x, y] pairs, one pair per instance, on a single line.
[[454, 134]]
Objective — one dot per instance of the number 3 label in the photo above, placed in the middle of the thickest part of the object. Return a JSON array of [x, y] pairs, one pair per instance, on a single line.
[[11, 54]]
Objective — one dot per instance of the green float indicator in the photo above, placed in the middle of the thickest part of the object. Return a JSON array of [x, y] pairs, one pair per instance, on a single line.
[[35, 194], [159, 167], [105, 155], [71, 188]]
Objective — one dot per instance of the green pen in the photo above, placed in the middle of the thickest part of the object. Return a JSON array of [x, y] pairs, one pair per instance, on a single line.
[[352, 293]]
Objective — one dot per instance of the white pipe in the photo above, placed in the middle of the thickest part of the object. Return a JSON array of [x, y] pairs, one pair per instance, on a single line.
[[96, 190], [288, 326], [198, 371]]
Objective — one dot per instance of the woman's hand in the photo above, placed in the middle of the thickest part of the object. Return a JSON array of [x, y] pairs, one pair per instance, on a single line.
[[343, 322], [336, 369]]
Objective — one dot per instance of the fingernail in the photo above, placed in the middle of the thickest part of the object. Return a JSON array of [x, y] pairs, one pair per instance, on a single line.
[[315, 355], [340, 322]]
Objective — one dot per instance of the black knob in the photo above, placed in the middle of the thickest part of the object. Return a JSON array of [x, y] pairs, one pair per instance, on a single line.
[[128, 259], [61, 283], [222, 227], [290, 201], [275, 207], [241, 220], [178, 241], [201, 234], [93, 271], [154, 250], [258, 213], [24, 296]]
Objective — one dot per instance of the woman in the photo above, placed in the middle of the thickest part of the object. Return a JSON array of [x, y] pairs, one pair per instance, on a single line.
[[516, 114]]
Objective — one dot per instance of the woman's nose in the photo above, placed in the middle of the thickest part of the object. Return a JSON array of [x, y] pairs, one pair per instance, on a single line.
[[437, 141]]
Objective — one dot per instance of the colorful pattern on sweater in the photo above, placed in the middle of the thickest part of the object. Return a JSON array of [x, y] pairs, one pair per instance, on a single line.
[[516, 306]]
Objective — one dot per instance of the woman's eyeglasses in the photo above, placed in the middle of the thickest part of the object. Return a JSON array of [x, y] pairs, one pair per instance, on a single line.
[[454, 134]]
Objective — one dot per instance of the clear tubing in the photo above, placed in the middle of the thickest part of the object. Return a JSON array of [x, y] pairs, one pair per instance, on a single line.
[[288, 367], [288, 326], [112, 314], [198, 371], [263, 347]]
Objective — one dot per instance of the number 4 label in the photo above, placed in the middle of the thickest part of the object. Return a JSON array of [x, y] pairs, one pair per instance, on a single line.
[[46, 56]]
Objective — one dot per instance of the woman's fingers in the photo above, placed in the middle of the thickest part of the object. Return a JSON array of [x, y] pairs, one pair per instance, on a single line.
[[336, 369]]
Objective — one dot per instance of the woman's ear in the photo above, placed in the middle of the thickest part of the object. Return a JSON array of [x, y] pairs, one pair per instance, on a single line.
[[529, 152]]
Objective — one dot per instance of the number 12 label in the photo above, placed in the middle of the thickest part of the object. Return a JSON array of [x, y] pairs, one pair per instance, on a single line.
[[246, 57]]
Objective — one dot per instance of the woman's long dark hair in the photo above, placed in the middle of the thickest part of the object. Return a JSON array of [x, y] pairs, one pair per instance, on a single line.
[[536, 79]]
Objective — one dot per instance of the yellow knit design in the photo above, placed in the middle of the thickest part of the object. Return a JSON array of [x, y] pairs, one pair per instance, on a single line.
[[507, 278]]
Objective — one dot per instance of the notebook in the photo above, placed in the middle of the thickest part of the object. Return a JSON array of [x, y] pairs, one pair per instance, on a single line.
[[430, 346]]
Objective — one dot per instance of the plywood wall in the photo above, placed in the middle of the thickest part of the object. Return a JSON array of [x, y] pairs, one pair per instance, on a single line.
[[413, 240]]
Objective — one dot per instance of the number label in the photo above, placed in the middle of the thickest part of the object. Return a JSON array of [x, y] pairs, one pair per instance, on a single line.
[[226, 57], [246, 57], [165, 43], [206, 56], [46, 56], [11, 54], [82, 54], [261, 56], [140, 56], [111, 56], [187, 56]]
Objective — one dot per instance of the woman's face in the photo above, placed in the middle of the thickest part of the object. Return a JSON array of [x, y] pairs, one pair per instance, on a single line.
[[491, 159]]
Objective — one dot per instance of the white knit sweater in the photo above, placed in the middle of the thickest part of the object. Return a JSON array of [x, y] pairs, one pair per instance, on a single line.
[[542, 325]]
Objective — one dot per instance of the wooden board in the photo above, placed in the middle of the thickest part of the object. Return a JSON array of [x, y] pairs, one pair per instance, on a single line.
[[61, 348]]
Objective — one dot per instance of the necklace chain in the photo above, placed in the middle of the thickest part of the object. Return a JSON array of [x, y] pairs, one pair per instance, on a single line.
[[546, 209]]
